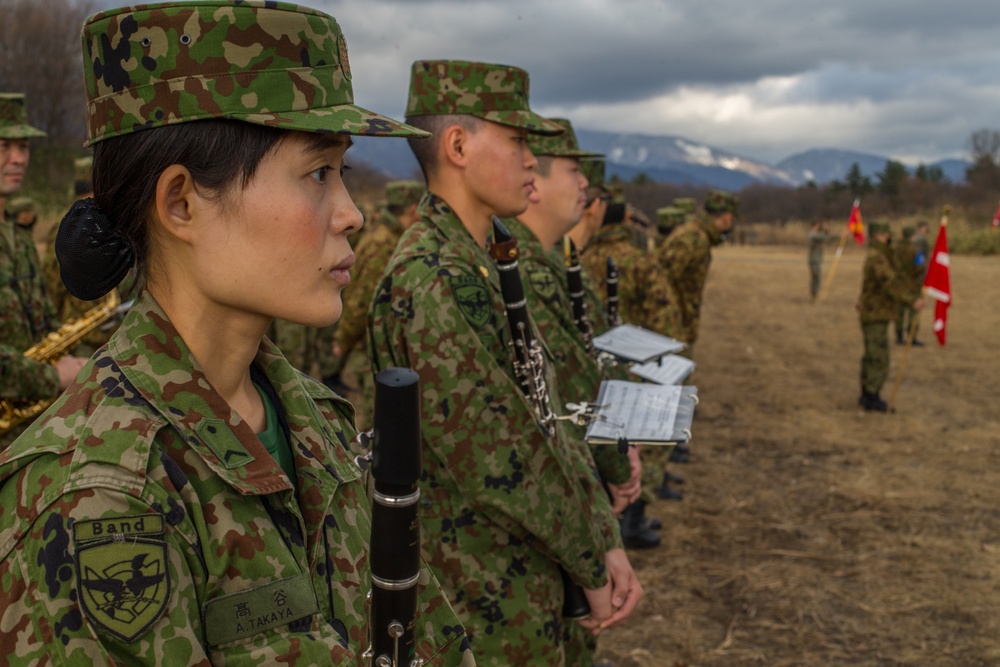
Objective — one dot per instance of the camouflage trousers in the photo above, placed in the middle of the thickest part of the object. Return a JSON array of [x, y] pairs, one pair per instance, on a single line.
[[906, 318], [875, 362], [814, 275]]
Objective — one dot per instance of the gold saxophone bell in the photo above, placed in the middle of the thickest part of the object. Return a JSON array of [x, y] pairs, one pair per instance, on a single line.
[[50, 349]]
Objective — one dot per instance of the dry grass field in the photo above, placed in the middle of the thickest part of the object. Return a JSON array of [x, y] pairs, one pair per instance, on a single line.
[[812, 532]]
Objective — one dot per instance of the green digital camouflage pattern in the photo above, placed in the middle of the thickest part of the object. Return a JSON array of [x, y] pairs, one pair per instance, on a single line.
[[686, 204], [908, 265], [593, 170], [875, 360], [503, 504], [304, 347], [497, 93], [67, 306], [559, 145], [596, 309], [26, 315], [14, 118], [142, 522], [547, 292], [644, 298], [719, 201], [268, 63], [400, 194], [882, 287], [685, 258]]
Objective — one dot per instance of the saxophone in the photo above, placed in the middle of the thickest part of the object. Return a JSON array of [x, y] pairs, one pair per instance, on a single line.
[[50, 349]]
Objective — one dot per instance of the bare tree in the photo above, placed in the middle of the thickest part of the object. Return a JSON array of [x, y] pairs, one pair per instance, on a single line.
[[40, 55]]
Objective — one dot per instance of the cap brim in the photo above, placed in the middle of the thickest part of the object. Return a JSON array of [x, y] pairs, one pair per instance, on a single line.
[[580, 154], [526, 120], [20, 132], [342, 119]]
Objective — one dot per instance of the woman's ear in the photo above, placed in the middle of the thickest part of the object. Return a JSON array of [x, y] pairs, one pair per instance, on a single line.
[[177, 202]]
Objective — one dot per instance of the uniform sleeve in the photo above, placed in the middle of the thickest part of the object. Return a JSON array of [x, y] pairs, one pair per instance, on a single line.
[[21, 377], [477, 424], [97, 601]]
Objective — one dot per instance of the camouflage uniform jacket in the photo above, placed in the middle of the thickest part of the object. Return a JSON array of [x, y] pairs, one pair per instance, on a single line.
[[143, 522], [643, 296], [882, 288], [503, 504], [906, 262], [26, 315], [685, 257], [373, 253], [547, 293]]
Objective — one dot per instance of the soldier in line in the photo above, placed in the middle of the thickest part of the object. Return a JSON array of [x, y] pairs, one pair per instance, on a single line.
[[67, 306], [685, 258], [556, 207], [668, 218], [882, 290], [818, 236], [909, 265], [24, 212], [26, 312], [506, 505], [193, 499], [372, 254], [594, 210]]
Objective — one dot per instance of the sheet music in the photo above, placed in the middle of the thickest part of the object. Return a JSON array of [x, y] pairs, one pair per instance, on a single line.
[[642, 413], [634, 343], [670, 369]]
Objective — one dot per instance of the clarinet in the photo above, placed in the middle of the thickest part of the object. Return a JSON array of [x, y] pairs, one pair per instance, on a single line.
[[576, 294], [529, 367], [395, 538], [612, 287]]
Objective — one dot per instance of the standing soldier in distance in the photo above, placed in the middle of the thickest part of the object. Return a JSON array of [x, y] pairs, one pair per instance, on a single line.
[[909, 265], [373, 253], [817, 238], [506, 504], [685, 258], [26, 312], [882, 290], [192, 499], [668, 218]]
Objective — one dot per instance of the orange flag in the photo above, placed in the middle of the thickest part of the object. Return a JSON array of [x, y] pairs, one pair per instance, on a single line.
[[854, 223]]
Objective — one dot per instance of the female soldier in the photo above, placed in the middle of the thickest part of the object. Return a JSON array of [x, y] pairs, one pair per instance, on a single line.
[[191, 498]]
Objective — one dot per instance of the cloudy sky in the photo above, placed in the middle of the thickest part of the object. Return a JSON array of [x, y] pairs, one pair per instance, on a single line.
[[910, 79]]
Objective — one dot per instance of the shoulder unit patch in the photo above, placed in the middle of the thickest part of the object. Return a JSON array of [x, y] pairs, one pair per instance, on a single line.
[[473, 298]]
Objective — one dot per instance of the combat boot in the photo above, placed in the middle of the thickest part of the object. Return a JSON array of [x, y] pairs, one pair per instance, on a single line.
[[664, 492], [634, 536], [680, 454], [872, 402]]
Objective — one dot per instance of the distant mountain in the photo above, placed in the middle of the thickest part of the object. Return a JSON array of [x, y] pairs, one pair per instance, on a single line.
[[822, 165], [671, 159]]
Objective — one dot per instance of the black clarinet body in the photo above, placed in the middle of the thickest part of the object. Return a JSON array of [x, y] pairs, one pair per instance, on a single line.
[[577, 296], [614, 319], [529, 366], [395, 540]]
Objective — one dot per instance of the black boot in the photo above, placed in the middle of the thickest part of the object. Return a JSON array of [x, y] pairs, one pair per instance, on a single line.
[[634, 536], [872, 402], [664, 491], [680, 454]]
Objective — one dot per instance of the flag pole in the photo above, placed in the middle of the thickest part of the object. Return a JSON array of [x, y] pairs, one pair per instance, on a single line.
[[833, 266], [911, 334], [840, 250]]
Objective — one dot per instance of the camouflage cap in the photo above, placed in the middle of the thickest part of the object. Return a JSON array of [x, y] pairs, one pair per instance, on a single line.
[[400, 194], [497, 93], [720, 201], [685, 204], [263, 62], [20, 205], [671, 215], [636, 215], [559, 145], [909, 231], [594, 171], [877, 227], [14, 118]]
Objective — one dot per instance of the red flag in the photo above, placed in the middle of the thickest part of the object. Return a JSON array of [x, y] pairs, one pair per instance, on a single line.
[[996, 218], [937, 284], [854, 223]]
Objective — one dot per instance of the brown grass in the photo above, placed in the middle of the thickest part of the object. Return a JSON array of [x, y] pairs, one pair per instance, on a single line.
[[811, 532]]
